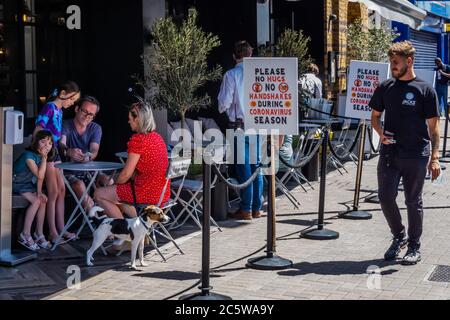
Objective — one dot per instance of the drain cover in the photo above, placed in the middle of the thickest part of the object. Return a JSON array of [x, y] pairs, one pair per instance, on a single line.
[[440, 274]]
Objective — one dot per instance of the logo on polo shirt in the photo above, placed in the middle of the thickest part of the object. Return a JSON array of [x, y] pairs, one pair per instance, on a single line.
[[409, 100]]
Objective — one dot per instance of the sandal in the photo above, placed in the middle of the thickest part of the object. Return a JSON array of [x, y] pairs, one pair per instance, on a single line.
[[69, 237], [42, 242], [28, 242]]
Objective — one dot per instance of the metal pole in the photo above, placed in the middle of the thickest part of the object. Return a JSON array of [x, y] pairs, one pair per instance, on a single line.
[[205, 287], [271, 232], [320, 233], [206, 228], [360, 166], [355, 214], [270, 261], [323, 177], [444, 150]]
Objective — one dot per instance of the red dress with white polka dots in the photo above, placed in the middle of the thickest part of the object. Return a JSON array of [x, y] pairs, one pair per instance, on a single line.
[[151, 169]]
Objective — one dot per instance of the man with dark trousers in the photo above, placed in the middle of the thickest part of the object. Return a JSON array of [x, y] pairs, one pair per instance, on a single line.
[[231, 101], [411, 124], [442, 78]]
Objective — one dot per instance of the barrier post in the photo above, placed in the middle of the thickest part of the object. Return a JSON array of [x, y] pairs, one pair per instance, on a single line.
[[270, 261], [355, 213], [320, 233], [205, 287], [445, 157]]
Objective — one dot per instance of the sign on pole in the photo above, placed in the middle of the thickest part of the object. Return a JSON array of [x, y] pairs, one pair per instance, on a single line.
[[427, 75], [271, 94], [364, 77]]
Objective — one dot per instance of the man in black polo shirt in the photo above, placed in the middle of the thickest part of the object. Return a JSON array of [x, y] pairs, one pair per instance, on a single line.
[[411, 123]]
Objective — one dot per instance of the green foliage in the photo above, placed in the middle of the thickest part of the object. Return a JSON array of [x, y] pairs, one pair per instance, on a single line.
[[176, 66], [369, 44], [294, 44]]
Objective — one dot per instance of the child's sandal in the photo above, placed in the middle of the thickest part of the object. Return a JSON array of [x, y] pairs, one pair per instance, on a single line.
[[42, 242], [28, 242]]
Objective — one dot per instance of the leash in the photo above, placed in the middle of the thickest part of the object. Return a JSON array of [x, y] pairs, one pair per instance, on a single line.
[[144, 223]]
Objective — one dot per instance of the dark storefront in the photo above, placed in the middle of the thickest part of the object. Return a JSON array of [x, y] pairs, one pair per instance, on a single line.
[[40, 51], [101, 57]]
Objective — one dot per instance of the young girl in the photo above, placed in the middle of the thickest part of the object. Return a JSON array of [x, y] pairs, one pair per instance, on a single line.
[[50, 118], [29, 172]]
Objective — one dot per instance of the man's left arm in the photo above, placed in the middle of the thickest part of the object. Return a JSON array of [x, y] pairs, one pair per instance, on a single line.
[[94, 148], [434, 132]]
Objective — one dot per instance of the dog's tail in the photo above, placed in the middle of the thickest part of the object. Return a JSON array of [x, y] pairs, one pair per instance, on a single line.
[[93, 212]]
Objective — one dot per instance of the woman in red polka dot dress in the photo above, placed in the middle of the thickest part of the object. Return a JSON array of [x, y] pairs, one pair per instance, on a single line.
[[147, 161]]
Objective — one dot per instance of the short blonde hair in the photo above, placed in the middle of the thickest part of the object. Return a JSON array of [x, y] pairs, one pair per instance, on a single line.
[[403, 48], [146, 121]]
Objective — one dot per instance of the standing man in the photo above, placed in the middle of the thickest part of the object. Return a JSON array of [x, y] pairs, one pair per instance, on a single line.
[[231, 101], [442, 77], [411, 123]]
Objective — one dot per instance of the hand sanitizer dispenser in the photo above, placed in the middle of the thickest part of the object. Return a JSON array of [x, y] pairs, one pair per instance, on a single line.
[[14, 127]]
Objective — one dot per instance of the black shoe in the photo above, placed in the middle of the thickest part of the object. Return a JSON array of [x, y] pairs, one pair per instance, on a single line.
[[411, 257], [395, 248]]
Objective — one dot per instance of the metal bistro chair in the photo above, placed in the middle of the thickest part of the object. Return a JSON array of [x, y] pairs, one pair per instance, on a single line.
[[193, 206], [341, 144], [177, 169], [307, 145]]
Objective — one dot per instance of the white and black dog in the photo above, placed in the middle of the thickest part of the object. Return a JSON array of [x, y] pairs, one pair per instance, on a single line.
[[133, 230]]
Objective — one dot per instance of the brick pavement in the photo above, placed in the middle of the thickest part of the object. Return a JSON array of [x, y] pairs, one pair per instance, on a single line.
[[322, 269]]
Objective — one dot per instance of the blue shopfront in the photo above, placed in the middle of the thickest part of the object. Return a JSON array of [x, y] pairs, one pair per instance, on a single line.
[[428, 38]]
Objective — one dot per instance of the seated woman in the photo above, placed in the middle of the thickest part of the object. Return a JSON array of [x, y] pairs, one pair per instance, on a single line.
[[147, 164]]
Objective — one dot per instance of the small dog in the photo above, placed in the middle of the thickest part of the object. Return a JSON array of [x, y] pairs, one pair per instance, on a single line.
[[133, 230]]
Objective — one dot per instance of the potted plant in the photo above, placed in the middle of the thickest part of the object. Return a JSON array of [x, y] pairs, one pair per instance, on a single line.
[[176, 67]]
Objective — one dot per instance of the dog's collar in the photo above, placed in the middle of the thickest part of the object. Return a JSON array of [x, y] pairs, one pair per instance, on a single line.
[[144, 223]]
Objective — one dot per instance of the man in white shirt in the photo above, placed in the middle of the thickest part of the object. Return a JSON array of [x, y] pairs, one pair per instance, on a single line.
[[231, 101]]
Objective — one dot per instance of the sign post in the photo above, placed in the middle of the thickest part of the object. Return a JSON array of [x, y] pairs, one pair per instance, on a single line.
[[363, 79], [270, 106]]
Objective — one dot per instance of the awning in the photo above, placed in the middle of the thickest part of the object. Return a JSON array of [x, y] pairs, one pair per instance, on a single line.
[[397, 10]]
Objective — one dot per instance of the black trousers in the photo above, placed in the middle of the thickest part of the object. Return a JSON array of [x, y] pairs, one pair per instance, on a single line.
[[413, 172]]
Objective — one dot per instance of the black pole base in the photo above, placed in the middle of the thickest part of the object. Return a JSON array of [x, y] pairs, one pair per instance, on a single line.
[[205, 296], [356, 215], [319, 234], [373, 199], [269, 263]]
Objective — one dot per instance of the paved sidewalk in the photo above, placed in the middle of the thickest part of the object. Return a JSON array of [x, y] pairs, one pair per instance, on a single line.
[[322, 269]]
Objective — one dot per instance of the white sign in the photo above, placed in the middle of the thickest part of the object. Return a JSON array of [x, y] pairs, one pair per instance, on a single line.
[[271, 94], [427, 75], [363, 79]]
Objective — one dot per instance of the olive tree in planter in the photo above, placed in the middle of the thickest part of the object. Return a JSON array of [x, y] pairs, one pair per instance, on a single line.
[[176, 67], [369, 44], [295, 44]]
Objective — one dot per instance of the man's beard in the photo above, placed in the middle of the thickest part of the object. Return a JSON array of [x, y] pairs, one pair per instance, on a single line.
[[401, 73]]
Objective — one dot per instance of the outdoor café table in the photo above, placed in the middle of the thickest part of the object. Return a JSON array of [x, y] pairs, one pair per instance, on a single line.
[[92, 168]]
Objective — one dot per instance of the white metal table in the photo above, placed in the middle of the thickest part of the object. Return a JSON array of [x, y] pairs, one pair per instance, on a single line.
[[92, 168]]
